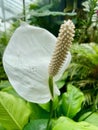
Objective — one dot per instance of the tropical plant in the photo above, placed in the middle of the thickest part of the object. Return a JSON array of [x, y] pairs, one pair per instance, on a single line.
[[35, 116], [3, 42], [4, 38], [65, 123], [72, 5], [86, 26], [47, 14], [35, 83], [93, 28], [10, 116], [83, 72]]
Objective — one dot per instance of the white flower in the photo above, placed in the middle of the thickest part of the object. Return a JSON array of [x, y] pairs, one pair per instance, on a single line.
[[26, 60]]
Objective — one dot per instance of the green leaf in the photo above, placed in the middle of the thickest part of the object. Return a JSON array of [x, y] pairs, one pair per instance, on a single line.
[[65, 123], [87, 52], [38, 112], [60, 83], [1, 127], [48, 13], [40, 124], [10, 90], [72, 100], [14, 112], [4, 84], [7, 87], [91, 118], [46, 106]]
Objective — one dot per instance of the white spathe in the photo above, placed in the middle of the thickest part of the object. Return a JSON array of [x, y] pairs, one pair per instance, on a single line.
[[26, 60]]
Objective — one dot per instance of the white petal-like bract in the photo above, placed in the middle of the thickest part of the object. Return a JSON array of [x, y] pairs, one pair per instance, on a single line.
[[26, 60]]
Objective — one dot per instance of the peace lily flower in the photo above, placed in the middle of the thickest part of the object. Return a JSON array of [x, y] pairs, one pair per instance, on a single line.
[[26, 60]]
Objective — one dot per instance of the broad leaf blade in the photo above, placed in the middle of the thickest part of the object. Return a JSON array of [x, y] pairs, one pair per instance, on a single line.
[[72, 101], [38, 112], [40, 124], [90, 117], [4, 84], [65, 123], [14, 112], [46, 106], [1, 127]]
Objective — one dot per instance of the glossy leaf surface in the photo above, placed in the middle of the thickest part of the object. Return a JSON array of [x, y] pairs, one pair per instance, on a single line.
[[14, 112], [72, 101]]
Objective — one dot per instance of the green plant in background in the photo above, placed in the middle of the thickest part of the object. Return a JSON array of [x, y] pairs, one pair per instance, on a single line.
[[83, 72], [4, 38], [93, 28], [87, 22], [3, 43], [48, 14], [73, 5]]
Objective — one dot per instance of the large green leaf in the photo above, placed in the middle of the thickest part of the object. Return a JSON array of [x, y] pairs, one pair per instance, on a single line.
[[61, 82], [65, 123], [1, 127], [72, 100], [38, 112], [40, 124], [11, 91], [46, 106], [4, 84], [14, 112], [90, 118]]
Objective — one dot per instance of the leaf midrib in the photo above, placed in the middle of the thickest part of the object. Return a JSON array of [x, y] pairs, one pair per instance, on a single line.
[[10, 115], [69, 107]]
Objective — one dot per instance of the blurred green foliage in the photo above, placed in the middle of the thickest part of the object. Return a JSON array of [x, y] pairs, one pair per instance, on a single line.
[[83, 72], [4, 38], [48, 14], [3, 42], [87, 22]]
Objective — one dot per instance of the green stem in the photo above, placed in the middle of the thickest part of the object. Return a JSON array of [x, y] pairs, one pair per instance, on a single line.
[[50, 116], [24, 10], [51, 102], [51, 86]]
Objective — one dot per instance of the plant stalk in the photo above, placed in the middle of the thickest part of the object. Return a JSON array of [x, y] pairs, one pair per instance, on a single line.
[[24, 11], [51, 86], [51, 102]]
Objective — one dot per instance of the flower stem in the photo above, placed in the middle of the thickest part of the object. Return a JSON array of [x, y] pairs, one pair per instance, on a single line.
[[51, 86], [50, 116], [24, 11], [51, 102]]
